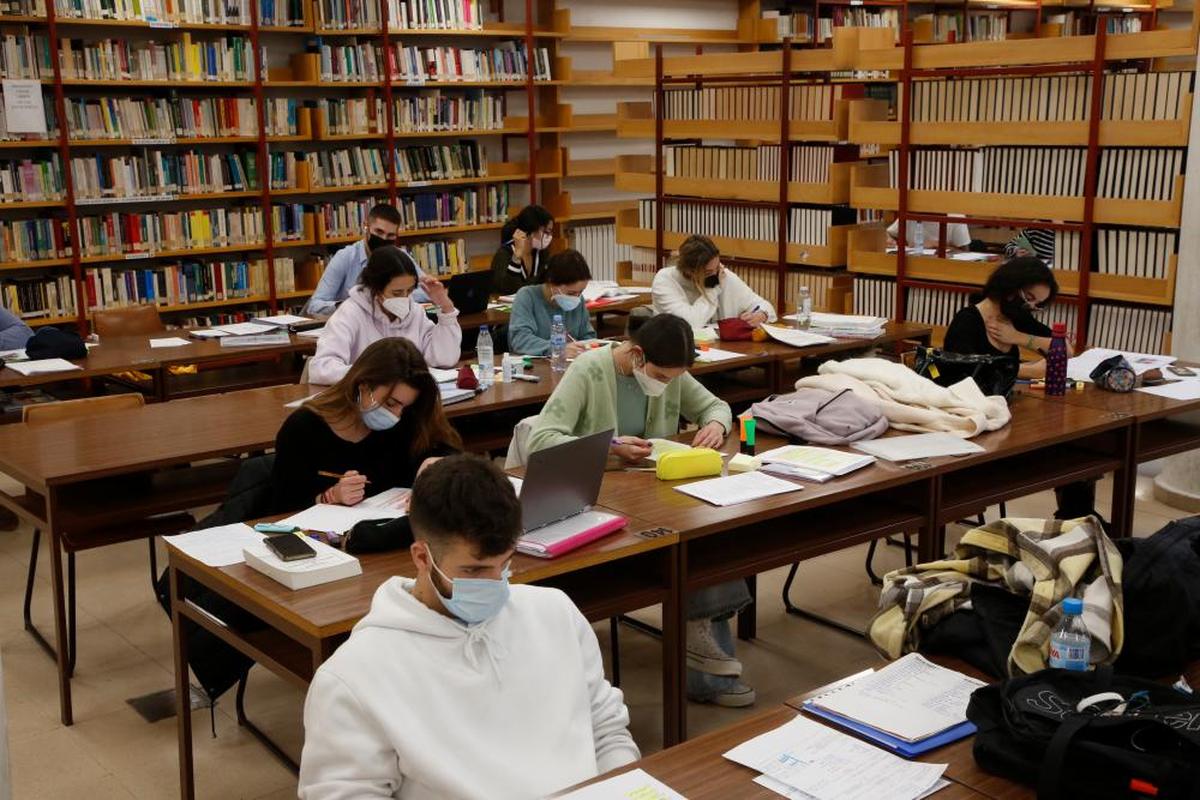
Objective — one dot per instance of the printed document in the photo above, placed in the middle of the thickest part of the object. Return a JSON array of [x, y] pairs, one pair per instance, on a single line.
[[636, 784], [741, 488], [217, 547]]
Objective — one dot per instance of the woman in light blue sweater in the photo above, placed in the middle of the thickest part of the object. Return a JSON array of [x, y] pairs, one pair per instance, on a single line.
[[534, 307]]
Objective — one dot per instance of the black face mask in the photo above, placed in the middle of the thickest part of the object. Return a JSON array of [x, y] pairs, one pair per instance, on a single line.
[[711, 281], [375, 242]]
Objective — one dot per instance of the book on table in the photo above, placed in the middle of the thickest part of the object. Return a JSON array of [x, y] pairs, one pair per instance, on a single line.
[[814, 463], [329, 564]]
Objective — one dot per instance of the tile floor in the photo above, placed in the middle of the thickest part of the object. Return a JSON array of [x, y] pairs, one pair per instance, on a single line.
[[125, 651]]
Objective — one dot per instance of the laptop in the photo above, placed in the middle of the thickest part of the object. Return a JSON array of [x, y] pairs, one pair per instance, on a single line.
[[470, 291], [560, 487]]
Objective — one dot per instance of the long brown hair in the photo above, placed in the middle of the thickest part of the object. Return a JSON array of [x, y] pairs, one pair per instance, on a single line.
[[694, 255], [388, 362]]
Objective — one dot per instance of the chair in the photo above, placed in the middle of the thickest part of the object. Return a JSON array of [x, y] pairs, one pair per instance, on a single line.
[[48, 413], [130, 321]]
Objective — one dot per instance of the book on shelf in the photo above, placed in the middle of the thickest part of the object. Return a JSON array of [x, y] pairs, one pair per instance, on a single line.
[[433, 162], [435, 110], [282, 13], [502, 62], [441, 257], [163, 173], [1135, 253], [481, 205], [51, 133], [598, 244], [1129, 328], [176, 284], [350, 166], [874, 296], [1132, 96], [439, 14], [347, 60], [25, 54], [33, 239], [142, 234], [806, 225], [1122, 23], [176, 117], [808, 163], [23, 8], [857, 17], [791, 23], [32, 180], [208, 12], [227, 58], [283, 169], [39, 297], [344, 116], [807, 102], [353, 15], [346, 217]]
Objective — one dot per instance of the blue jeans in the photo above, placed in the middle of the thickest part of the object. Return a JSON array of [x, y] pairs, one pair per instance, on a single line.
[[719, 604]]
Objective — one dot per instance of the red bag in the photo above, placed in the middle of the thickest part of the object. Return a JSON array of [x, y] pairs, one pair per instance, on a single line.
[[466, 378], [734, 329]]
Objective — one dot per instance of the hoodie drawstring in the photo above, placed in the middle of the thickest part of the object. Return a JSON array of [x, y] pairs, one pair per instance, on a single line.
[[496, 652]]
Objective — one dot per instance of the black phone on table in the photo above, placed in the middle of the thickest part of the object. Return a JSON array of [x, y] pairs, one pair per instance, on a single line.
[[290, 547]]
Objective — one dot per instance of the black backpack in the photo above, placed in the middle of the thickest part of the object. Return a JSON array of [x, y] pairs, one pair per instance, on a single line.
[[993, 374], [1161, 583], [1029, 731]]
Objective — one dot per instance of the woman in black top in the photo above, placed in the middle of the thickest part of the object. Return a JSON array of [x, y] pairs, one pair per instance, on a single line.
[[1001, 321], [519, 261], [376, 427]]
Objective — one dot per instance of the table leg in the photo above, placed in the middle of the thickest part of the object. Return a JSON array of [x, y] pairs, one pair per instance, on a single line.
[[61, 645], [183, 689], [1124, 489], [747, 618], [160, 384], [674, 649], [931, 542]]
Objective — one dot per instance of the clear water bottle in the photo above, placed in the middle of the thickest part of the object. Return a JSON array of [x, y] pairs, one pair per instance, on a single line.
[[1070, 644], [804, 309], [486, 356], [558, 344], [917, 231], [1056, 360]]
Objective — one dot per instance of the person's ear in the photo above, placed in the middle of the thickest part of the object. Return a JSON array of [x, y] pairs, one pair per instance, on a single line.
[[419, 551]]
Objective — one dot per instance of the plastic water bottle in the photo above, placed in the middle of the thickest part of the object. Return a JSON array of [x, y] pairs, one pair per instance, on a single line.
[[558, 344], [804, 309], [1070, 644], [918, 236], [1056, 360], [487, 358]]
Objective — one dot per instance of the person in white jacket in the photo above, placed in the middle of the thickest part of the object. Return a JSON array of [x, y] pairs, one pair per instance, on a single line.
[[456, 685], [382, 305], [701, 290]]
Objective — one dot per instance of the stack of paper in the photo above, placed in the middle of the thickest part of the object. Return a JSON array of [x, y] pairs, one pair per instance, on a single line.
[[734, 489], [170, 341], [13, 355], [713, 355], [278, 337], [329, 564], [395, 499], [917, 445], [844, 326], [805, 759], [443, 375], [311, 333], [451, 394], [42, 366], [245, 328], [813, 463], [216, 547], [795, 338], [633, 785], [284, 320], [328, 518]]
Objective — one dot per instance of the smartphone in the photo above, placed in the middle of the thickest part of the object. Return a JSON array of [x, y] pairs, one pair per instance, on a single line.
[[1182, 372], [290, 547]]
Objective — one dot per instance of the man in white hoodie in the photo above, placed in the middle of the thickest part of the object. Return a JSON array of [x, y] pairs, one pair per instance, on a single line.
[[456, 685]]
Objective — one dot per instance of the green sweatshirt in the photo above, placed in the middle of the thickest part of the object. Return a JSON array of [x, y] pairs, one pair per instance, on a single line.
[[585, 402]]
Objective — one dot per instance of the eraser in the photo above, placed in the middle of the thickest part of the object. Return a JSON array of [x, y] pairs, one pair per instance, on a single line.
[[744, 463]]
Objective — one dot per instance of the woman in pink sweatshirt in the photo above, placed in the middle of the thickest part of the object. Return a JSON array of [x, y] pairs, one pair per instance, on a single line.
[[380, 306]]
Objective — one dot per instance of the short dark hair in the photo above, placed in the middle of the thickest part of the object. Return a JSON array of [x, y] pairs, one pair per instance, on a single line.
[[529, 219], [1017, 273], [566, 267], [386, 212], [666, 340], [384, 264], [466, 497]]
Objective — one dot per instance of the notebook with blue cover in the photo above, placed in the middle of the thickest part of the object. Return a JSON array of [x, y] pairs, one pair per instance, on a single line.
[[889, 742]]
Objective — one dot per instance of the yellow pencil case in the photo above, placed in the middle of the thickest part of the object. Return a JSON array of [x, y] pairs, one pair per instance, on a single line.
[[698, 462]]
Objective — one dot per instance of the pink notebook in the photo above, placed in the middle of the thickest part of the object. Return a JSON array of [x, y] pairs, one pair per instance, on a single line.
[[569, 534]]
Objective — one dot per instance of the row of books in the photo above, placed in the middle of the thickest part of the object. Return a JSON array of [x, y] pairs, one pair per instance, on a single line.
[[34, 298], [350, 166], [1123, 23], [1125, 173], [1135, 253], [988, 26], [502, 62], [807, 101], [433, 162], [352, 15], [37, 179], [348, 217], [131, 234], [1053, 98], [210, 12], [344, 116], [938, 307], [183, 282], [24, 55], [228, 58], [172, 117], [806, 163], [51, 125], [482, 205], [857, 17], [33, 239], [283, 169], [598, 245], [163, 173], [282, 13], [441, 256], [23, 8], [431, 110], [806, 225], [875, 297]]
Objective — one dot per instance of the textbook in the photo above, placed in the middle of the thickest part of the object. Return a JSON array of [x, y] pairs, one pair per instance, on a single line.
[[822, 460], [330, 564]]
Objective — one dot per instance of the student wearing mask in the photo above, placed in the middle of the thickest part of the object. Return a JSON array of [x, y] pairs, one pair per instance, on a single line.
[[377, 427], [534, 308], [521, 258], [701, 290], [380, 306], [457, 684], [13, 332], [1002, 319], [342, 272], [641, 388]]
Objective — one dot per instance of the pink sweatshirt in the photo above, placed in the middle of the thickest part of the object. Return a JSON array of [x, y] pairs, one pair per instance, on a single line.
[[359, 322]]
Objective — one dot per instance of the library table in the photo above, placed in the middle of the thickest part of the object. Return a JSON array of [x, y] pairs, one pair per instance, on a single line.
[[631, 569]]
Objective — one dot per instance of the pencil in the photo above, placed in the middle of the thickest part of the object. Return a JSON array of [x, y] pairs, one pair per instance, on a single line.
[[337, 475]]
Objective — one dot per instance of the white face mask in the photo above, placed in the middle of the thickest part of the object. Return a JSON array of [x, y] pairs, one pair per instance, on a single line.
[[398, 306], [651, 387], [542, 242]]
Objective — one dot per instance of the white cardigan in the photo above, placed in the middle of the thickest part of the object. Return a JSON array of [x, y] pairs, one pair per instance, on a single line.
[[673, 293]]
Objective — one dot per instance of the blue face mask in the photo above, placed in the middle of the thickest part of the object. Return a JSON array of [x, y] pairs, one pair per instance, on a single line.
[[474, 600], [379, 418], [567, 302]]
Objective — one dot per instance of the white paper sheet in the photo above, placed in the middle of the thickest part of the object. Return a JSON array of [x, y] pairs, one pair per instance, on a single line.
[[664, 446], [794, 337], [443, 375], [312, 333], [217, 547], [734, 489], [170, 341], [300, 401], [1081, 366], [24, 106], [783, 790], [829, 765], [43, 366], [13, 355], [970, 257], [395, 498], [820, 459], [820, 319], [209, 333], [917, 445], [328, 518], [713, 355], [1175, 390], [633, 785], [283, 320], [246, 328]]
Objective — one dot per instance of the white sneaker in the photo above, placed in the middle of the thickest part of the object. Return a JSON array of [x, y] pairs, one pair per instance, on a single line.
[[705, 655], [739, 695]]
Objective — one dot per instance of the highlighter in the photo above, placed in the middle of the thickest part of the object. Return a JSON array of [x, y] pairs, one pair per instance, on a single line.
[[747, 435]]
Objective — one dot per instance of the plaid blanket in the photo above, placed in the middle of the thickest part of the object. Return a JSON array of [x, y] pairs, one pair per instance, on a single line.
[[1045, 560]]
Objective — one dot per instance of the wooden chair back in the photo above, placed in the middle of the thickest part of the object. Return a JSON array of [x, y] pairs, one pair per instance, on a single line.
[[45, 413], [132, 321]]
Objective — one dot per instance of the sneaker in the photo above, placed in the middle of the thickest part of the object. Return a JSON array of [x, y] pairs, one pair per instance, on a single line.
[[739, 695], [705, 655]]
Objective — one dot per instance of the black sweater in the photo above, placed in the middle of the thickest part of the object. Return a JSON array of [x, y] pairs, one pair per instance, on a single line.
[[967, 334], [306, 444]]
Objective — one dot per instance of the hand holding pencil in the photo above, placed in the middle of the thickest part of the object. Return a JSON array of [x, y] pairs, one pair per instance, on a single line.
[[349, 489]]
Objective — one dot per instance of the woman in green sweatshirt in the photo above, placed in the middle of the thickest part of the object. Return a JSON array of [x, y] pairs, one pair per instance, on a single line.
[[535, 307], [640, 389]]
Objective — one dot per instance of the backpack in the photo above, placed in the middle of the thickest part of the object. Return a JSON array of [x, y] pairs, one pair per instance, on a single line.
[[1162, 572], [820, 416], [1145, 744]]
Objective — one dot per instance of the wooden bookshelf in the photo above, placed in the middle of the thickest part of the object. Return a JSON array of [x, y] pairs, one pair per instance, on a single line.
[[636, 120], [636, 174]]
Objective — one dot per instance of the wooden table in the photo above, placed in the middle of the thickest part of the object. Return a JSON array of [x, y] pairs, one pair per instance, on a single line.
[[620, 573], [493, 317]]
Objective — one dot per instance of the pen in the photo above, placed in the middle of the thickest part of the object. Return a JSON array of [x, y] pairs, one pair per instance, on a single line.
[[325, 474]]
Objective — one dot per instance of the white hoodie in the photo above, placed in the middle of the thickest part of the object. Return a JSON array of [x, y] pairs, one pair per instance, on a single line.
[[418, 705], [673, 293]]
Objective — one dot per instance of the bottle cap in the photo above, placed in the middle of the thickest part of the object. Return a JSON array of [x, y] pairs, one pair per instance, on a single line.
[[1059, 328], [558, 317], [483, 328], [1072, 605]]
